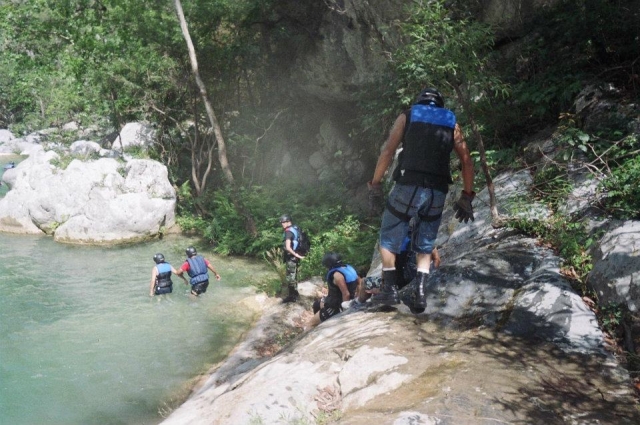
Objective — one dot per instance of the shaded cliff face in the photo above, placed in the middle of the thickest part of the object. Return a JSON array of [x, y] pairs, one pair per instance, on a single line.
[[331, 54], [346, 46]]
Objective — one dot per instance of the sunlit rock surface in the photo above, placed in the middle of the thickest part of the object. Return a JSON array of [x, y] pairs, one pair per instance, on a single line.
[[504, 339], [88, 200]]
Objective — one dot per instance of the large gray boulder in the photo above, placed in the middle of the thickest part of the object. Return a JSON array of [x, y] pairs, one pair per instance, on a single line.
[[93, 202], [615, 276], [6, 135], [134, 134]]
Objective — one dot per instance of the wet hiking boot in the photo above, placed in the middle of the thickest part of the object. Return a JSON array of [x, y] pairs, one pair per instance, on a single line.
[[414, 295], [388, 290], [292, 297], [357, 306]]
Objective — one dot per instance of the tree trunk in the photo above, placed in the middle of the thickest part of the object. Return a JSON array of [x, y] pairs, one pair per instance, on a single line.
[[222, 149]]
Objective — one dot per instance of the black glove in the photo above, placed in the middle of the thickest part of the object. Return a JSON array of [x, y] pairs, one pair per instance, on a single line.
[[376, 198], [463, 208]]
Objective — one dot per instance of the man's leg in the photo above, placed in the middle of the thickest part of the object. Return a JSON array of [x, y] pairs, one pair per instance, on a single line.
[[292, 281], [429, 217], [423, 261], [401, 206], [388, 291]]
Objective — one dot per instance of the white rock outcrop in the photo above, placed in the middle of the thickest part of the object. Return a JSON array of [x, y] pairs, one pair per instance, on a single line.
[[99, 201]]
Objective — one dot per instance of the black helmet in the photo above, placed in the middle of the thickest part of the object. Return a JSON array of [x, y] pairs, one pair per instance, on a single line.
[[284, 218], [331, 260], [430, 95], [158, 258], [191, 251]]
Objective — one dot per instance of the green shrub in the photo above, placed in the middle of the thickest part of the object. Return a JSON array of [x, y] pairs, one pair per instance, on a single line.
[[319, 212], [621, 186]]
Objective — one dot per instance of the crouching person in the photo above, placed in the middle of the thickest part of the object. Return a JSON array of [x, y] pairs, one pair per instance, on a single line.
[[342, 283]]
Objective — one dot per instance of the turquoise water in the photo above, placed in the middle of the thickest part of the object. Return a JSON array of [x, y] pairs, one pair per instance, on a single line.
[[81, 341]]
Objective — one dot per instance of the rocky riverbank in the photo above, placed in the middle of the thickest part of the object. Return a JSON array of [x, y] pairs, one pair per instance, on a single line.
[[504, 339]]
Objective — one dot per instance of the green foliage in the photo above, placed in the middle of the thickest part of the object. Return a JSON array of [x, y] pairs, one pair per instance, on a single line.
[[62, 161], [551, 184], [570, 239], [611, 157], [569, 45], [497, 160], [65, 58], [611, 317], [447, 49], [621, 186], [319, 212], [138, 152]]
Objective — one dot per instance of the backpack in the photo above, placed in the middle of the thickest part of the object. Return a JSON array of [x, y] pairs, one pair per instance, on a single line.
[[304, 244]]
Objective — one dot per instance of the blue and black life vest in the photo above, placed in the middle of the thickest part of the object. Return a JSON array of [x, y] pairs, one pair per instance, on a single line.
[[163, 278], [197, 270], [426, 148], [296, 236], [334, 297]]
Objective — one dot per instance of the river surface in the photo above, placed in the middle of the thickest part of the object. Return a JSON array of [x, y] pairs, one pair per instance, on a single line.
[[81, 341]]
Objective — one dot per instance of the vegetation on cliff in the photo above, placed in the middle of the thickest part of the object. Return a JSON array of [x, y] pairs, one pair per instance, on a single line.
[[108, 62]]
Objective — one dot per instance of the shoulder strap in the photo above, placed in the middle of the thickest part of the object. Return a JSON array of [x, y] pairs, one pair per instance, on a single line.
[[407, 115]]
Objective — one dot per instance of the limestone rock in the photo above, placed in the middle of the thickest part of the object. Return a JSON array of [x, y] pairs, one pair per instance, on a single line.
[[615, 276], [94, 202]]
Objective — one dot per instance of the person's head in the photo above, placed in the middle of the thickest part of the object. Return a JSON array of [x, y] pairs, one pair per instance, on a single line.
[[430, 96], [285, 220], [158, 258], [331, 260], [191, 252]]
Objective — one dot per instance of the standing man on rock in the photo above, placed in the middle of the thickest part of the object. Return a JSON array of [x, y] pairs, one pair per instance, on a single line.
[[428, 133], [290, 257]]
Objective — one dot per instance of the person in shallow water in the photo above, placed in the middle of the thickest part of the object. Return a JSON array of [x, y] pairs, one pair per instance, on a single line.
[[161, 276], [196, 267]]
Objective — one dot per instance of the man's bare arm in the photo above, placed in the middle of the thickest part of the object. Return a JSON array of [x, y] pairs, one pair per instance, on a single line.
[[389, 149], [460, 147]]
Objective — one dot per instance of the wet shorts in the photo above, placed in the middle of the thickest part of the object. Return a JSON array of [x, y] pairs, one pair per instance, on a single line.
[[163, 290], [425, 204], [199, 288], [325, 312]]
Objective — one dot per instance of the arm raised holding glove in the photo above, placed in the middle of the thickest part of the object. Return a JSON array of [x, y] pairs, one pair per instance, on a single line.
[[376, 198], [463, 207], [376, 195]]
